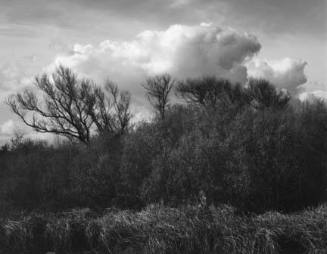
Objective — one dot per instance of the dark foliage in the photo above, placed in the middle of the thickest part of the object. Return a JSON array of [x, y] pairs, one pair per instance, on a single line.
[[157, 229], [245, 146], [71, 107], [157, 90]]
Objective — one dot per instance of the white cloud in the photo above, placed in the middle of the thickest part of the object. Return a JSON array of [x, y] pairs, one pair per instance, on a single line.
[[183, 51], [12, 127], [313, 90], [310, 96], [285, 73], [12, 78], [7, 128]]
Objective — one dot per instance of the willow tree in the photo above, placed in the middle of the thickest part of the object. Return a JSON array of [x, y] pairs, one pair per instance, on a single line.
[[65, 105]]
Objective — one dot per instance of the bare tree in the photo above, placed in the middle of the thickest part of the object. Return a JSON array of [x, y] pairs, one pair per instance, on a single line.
[[110, 109], [70, 107], [157, 90], [209, 91], [121, 104]]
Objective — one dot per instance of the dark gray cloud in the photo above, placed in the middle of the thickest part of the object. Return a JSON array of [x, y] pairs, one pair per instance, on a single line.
[[18, 31], [29, 11], [287, 16], [291, 16]]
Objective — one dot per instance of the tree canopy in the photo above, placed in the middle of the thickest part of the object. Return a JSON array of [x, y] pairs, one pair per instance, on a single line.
[[158, 89], [72, 107]]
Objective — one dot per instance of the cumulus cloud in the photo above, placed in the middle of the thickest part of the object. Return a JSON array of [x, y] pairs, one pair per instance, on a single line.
[[285, 73], [310, 96], [182, 51], [313, 90]]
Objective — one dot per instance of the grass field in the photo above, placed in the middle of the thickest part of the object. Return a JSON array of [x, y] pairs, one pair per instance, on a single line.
[[158, 229]]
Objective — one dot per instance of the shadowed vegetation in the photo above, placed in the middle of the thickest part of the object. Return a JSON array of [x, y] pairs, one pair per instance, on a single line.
[[250, 147], [156, 229]]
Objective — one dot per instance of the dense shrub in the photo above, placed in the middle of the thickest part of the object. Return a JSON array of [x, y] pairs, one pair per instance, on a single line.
[[158, 229], [250, 147], [257, 159], [54, 178]]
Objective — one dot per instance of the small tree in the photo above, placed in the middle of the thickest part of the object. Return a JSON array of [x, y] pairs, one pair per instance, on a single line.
[[71, 107], [157, 90]]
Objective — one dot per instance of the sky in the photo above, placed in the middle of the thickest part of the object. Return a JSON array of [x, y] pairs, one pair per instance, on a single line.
[[284, 41]]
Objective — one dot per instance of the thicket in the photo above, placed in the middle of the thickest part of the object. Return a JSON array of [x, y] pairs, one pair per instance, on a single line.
[[157, 229], [251, 147]]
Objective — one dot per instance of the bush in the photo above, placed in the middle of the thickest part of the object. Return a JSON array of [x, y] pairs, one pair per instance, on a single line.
[[247, 147], [158, 229]]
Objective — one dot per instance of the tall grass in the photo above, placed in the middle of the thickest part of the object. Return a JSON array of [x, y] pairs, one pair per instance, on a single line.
[[158, 229]]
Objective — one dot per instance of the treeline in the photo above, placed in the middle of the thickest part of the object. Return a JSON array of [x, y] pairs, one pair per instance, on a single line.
[[252, 147]]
